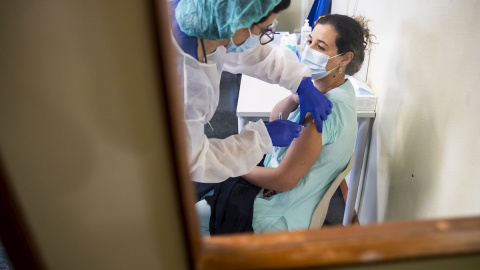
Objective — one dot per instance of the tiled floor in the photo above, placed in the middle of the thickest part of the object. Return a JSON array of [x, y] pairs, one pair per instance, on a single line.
[[224, 124]]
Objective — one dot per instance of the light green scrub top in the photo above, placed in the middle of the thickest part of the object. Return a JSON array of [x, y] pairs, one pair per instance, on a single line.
[[292, 210]]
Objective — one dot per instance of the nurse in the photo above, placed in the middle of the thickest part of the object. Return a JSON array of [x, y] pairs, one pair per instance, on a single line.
[[216, 35]]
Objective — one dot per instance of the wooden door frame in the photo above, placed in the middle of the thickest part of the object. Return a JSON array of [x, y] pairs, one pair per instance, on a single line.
[[14, 232]]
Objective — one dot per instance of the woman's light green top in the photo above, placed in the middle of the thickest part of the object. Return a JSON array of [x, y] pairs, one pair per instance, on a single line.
[[293, 209]]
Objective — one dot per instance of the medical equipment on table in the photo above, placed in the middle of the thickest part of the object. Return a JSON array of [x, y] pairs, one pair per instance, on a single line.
[[284, 39], [290, 41], [306, 31], [366, 98]]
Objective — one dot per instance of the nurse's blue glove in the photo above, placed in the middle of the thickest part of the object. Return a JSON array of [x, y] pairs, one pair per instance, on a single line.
[[314, 102], [282, 132]]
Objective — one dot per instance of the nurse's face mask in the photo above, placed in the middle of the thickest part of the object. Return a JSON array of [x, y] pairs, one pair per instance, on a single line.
[[317, 62], [251, 42]]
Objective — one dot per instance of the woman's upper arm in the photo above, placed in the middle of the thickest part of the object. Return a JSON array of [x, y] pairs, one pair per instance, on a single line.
[[301, 155]]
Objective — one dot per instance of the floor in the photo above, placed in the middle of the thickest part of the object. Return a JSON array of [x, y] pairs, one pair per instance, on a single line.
[[224, 124]]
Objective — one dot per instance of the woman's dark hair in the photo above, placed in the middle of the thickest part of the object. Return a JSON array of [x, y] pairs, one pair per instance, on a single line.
[[353, 36], [284, 4]]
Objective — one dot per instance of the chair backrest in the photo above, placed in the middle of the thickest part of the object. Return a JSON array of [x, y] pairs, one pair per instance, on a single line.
[[320, 212]]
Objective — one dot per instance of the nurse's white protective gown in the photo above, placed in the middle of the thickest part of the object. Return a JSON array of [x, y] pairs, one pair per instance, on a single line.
[[214, 160]]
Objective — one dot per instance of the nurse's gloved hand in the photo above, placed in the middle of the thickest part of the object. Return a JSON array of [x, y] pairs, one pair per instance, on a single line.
[[314, 102], [282, 132]]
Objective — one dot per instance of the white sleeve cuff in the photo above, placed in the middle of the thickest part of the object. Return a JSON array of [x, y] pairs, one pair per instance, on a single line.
[[266, 143]]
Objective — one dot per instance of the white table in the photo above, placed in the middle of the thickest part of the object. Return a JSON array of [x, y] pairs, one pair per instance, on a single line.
[[257, 98]]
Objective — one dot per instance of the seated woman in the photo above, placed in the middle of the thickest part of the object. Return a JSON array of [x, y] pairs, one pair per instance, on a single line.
[[295, 178]]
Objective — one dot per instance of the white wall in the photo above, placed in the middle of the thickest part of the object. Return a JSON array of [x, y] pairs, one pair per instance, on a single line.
[[425, 70], [290, 19], [82, 137]]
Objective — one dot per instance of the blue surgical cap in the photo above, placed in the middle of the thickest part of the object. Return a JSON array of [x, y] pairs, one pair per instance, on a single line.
[[219, 19]]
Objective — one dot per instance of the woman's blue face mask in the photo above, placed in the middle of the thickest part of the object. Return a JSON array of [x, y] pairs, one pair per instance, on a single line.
[[251, 42], [317, 62]]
